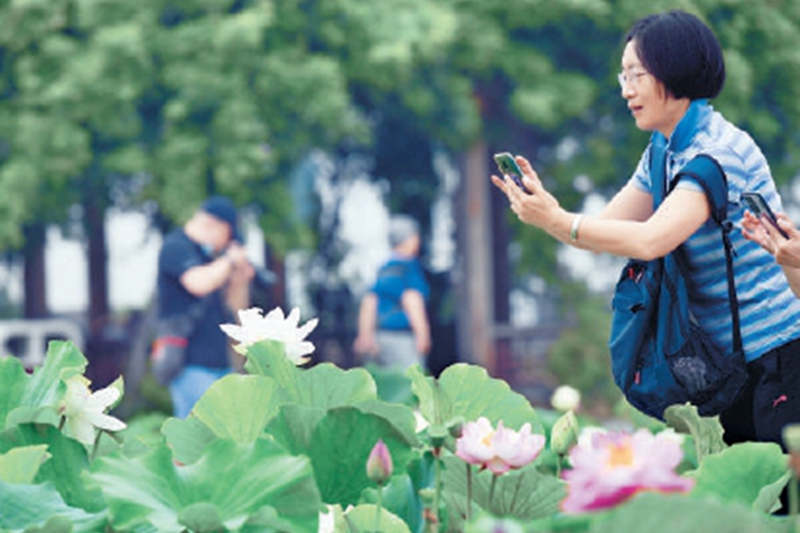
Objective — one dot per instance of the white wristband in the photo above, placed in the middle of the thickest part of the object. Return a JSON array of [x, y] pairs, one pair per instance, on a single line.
[[573, 231]]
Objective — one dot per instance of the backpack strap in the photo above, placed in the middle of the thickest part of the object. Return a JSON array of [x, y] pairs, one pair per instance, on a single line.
[[709, 174]]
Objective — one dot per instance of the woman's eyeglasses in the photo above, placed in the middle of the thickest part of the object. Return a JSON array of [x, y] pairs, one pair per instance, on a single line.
[[630, 78]]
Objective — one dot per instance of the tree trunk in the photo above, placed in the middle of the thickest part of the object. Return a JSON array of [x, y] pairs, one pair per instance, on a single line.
[[98, 275], [501, 273], [476, 291], [35, 287]]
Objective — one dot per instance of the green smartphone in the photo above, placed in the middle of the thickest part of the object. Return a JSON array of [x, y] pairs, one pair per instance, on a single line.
[[509, 167]]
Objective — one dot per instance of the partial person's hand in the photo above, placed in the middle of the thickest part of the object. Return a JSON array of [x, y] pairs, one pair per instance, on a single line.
[[423, 344], [536, 208], [243, 271], [786, 251], [237, 254], [366, 345]]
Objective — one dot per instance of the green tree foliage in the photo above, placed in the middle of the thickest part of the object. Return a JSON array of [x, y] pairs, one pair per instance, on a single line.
[[227, 96], [198, 95]]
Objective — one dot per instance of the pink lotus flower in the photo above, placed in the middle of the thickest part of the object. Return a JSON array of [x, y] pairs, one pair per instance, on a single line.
[[611, 467], [500, 450]]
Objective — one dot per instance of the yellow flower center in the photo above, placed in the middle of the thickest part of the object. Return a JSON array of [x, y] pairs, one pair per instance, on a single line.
[[487, 439], [620, 454]]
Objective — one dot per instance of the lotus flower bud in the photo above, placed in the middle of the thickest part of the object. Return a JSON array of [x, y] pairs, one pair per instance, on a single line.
[[379, 464], [565, 398], [564, 434]]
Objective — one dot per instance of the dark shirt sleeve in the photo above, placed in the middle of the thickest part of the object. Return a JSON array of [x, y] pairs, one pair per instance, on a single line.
[[177, 256]]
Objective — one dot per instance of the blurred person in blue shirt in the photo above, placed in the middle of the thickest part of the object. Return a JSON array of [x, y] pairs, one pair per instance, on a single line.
[[393, 326]]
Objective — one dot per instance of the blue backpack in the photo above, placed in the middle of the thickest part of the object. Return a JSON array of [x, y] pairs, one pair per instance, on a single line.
[[659, 354]]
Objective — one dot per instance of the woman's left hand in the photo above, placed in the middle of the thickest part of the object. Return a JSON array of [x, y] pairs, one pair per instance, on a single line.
[[537, 208], [786, 251]]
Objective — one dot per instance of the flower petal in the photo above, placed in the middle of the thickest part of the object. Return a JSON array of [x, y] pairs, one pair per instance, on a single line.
[[102, 399], [107, 422], [80, 429]]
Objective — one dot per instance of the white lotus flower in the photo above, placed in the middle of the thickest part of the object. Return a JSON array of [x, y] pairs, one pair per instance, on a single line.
[[254, 328], [84, 410]]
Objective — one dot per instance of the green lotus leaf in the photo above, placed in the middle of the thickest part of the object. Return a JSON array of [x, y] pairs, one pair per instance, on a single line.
[[323, 386], [651, 511], [69, 460], [232, 481], [435, 404], [769, 496], [20, 465], [340, 446], [265, 520], [13, 380], [41, 508], [268, 358], [328, 386], [44, 388], [468, 391], [365, 518], [399, 415], [706, 432], [739, 473], [294, 427], [238, 407], [201, 517], [188, 438], [392, 384]]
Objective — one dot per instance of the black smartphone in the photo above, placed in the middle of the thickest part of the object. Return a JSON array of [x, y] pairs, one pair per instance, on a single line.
[[509, 167], [759, 207]]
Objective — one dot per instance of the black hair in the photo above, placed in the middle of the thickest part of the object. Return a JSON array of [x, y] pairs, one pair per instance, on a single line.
[[681, 52]]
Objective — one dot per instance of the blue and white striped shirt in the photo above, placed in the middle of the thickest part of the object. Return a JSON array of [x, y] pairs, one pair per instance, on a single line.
[[768, 309]]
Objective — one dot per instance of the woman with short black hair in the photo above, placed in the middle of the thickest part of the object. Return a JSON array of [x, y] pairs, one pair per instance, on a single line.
[[671, 65], [681, 52]]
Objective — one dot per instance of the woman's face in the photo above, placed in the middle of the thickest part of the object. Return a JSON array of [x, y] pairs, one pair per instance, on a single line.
[[652, 107]]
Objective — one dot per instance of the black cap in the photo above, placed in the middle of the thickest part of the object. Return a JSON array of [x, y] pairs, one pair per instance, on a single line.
[[223, 208]]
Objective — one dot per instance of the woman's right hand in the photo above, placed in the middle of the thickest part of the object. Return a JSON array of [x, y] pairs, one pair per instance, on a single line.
[[537, 208]]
